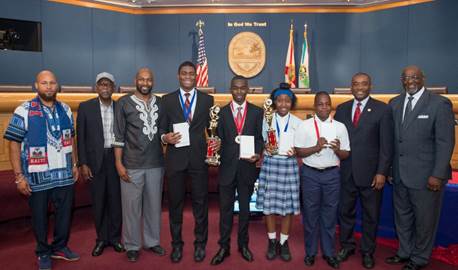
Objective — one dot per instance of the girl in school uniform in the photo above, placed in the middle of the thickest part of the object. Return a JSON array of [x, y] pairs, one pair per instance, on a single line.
[[278, 190]]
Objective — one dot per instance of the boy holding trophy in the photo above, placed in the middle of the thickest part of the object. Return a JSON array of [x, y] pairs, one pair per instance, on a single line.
[[240, 130]]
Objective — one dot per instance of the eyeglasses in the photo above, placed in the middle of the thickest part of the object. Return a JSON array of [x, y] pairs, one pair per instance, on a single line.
[[414, 77]]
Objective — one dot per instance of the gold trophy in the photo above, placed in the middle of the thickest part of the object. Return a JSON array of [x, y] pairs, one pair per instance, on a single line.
[[212, 155], [271, 138]]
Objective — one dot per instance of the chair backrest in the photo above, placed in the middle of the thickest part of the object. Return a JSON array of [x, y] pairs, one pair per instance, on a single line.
[[256, 90], [15, 88], [127, 89], [301, 90], [342, 90], [76, 89], [438, 89], [208, 90]]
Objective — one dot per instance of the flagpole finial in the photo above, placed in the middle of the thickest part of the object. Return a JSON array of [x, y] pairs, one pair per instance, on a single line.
[[305, 27], [200, 24], [291, 24]]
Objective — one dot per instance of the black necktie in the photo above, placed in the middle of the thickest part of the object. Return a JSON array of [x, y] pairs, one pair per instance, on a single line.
[[408, 108]]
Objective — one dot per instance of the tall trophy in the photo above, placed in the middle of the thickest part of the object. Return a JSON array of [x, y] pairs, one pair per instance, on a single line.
[[212, 155], [271, 138]]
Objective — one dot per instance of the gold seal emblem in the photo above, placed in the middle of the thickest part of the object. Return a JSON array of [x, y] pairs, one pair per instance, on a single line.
[[247, 54]]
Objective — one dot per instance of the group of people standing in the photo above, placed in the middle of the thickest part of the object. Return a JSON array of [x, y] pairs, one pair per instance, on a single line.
[[350, 156]]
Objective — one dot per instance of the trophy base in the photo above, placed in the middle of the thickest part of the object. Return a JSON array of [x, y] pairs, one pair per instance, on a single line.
[[213, 161]]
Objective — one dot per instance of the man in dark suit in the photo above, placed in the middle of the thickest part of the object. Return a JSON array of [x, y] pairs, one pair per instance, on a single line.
[[96, 159], [235, 174], [191, 106], [424, 137], [370, 126]]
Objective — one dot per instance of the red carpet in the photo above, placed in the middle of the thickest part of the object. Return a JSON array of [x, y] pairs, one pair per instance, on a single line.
[[17, 248]]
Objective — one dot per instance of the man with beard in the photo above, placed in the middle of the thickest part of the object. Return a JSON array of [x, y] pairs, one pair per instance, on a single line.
[[96, 159], [139, 162], [43, 157], [424, 136], [370, 126], [189, 108]]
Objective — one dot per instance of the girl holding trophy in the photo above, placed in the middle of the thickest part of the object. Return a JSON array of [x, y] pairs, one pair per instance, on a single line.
[[278, 190]]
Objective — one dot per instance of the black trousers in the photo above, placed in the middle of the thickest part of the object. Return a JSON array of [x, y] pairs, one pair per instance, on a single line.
[[370, 201], [62, 200], [244, 188], [106, 201], [176, 197]]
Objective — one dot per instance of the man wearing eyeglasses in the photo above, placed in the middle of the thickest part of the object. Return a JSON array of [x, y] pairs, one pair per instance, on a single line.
[[424, 139], [95, 122]]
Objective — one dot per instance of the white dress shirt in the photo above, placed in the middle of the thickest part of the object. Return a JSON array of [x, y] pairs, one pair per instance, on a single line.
[[361, 107], [306, 137], [415, 99], [192, 92]]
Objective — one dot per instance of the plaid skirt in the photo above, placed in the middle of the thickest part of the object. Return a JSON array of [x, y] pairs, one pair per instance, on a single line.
[[278, 188]]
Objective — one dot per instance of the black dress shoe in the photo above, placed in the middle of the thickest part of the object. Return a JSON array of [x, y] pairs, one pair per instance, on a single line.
[[396, 260], [332, 261], [132, 255], [309, 260], [412, 266], [158, 250], [344, 254], [368, 261], [176, 255], [98, 249], [220, 256], [285, 254], [271, 249], [118, 247], [246, 254], [199, 254]]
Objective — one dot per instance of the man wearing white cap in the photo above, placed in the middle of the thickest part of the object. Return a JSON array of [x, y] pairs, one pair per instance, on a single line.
[[95, 122]]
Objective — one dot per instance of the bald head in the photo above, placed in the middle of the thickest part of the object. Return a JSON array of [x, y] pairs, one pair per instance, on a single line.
[[144, 81], [45, 74], [46, 85], [144, 70]]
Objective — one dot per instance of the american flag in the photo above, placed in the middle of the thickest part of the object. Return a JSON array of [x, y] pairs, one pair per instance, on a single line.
[[202, 65]]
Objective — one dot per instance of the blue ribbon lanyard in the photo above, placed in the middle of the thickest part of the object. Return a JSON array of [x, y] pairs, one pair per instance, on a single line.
[[278, 126], [186, 112]]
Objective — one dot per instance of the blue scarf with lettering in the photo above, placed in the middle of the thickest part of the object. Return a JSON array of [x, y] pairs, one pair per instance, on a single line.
[[41, 120]]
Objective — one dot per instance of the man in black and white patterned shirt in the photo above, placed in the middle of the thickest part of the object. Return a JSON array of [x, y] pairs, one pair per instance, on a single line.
[[139, 162]]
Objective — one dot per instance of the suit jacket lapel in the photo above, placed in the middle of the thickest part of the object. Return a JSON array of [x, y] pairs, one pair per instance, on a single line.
[[230, 119], [348, 119], [198, 108], [247, 118], [177, 104], [420, 103], [365, 113], [98, 116]]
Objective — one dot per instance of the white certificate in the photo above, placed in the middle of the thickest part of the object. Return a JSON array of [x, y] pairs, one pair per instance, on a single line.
[[246, 146], [286, 143], [328, 131], [183, 129]]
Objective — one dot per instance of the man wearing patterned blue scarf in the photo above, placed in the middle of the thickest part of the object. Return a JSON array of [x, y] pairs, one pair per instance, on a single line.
[[43, 158]]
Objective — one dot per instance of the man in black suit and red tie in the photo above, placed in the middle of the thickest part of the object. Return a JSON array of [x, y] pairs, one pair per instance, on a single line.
[[370, 126], [189, 108], [97, 163], [236, 174]]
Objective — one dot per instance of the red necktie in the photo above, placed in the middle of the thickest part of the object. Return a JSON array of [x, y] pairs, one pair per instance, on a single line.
[[187, 104], [239, 115], [357, 114]]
